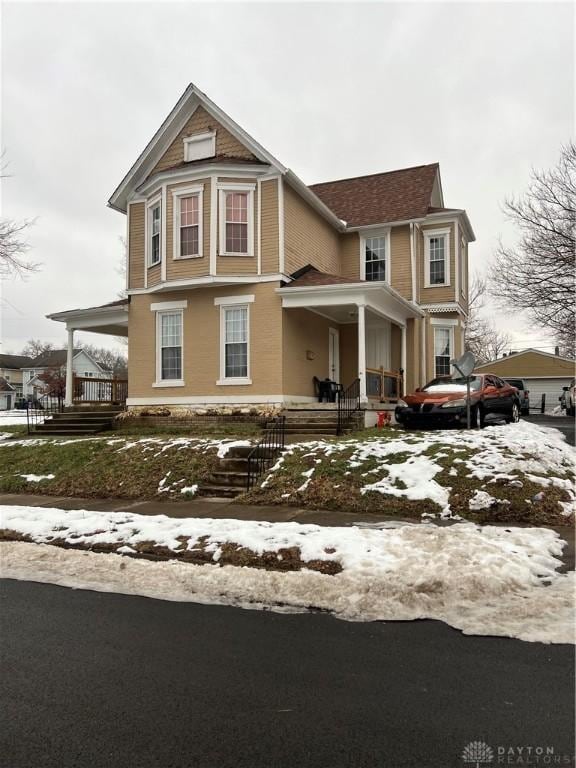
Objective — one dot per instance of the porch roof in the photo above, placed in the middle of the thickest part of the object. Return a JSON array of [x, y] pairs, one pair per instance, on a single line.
[[332, 299], [111, 318]]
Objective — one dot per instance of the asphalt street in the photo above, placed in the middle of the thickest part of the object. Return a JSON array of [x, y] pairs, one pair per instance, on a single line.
[[94, 680], [565, 424]]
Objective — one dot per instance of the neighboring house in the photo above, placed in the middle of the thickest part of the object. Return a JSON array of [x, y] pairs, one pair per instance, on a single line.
[[8, 395], [544, 373], [83, 365], [11, 370], [244, 283]]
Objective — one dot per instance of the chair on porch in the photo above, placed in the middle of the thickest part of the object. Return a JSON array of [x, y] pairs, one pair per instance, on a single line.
[[326, 390]]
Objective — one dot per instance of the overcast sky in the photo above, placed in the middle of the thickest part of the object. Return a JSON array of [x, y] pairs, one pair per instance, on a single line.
[[332, 90]]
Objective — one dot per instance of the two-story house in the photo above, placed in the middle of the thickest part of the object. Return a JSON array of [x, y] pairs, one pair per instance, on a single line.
[[83, 365], [11, 370], [244, 283]]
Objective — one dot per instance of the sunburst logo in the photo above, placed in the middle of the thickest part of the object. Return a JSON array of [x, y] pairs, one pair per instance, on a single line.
[[477, 753]]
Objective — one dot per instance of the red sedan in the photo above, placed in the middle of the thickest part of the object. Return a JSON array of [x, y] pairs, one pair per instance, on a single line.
[[442, 402]]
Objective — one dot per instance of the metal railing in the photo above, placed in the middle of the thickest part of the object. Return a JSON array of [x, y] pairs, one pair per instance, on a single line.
[[382, 385], [264, 453], [348, 402], [42, 409], [87, 389]]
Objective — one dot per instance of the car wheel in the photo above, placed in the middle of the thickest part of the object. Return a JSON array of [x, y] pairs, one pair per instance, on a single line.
[[514, 417], [477, 420]]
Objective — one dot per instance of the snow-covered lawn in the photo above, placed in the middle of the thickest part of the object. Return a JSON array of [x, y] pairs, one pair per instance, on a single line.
[[12, 418], [483, 580], [445, 472]]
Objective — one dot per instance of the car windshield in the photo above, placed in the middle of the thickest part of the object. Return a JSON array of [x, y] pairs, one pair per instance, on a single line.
[[518, 383], [452, 385]]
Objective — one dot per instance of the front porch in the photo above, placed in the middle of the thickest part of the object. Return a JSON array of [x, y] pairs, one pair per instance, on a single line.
[[112, 320], [368, 326]]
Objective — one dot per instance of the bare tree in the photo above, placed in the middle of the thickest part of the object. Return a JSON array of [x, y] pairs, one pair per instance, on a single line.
[[34, 347], [482, 338], [536, 275], [114, 361], [13, 249]]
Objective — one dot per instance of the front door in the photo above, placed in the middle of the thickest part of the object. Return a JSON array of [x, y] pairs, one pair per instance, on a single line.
[[334, 354]]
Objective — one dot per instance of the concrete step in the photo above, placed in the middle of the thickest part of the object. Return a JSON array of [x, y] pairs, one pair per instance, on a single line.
[[66, 431], [84, 416], [222, 491], [234, 465], [108, 410], [236, 479], [102, 421]]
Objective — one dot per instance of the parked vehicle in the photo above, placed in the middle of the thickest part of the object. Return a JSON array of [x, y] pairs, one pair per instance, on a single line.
[[568, 398], [524, 394], [442, 402]]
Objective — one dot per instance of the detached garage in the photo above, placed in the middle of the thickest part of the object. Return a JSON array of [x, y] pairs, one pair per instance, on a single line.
[[543, 373]]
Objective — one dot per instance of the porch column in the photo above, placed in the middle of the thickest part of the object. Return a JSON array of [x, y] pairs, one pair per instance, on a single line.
[[69, 372], [403, 357], [362, 351]]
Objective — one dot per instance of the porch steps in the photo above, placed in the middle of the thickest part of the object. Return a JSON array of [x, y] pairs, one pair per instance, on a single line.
[[231, 479], [78, 422], [319, 421]]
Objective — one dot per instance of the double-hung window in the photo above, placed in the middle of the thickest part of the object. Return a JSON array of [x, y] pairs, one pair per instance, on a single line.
[[442, 351], [169, 346], [234, 339], [187, 206], [154, 233], [437, 258], [376, 258], [236, 220]]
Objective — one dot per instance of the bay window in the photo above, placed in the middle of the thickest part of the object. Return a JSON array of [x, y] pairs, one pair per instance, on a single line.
[[236, 220], [154, 214], [188, 210], [437, 258], [442, 350]]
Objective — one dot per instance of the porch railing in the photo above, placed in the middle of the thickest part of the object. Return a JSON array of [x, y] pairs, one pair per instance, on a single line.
[[383, 386], [42, 409], [87, 389], [264, 453], [348, 403]]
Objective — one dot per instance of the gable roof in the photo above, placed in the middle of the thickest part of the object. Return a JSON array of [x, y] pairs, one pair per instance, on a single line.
[[180, 113], [525, 352], [52, 359], [380, 197], [5, 386], [14, 361]]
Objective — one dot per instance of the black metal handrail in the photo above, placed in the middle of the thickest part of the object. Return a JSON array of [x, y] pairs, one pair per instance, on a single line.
[[40, 409], [348, 403], [264, 453]]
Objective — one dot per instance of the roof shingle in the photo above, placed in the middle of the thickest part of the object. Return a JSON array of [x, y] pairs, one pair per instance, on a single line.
[[309, 276], [381, 197]]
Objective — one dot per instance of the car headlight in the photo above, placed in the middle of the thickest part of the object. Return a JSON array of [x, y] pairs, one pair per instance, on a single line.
[[401, 404], [454, 403]]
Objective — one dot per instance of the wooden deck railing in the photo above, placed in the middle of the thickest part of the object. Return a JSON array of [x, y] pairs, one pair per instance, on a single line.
[[94, 390], [383, 386]]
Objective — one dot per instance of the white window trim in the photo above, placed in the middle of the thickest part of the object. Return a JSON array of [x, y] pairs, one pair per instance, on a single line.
[[446, 326], [368, 236], [222, 190], [160, 382], [429, 233], [197, 190], [157, 200], [233, 303], [195, 139], [229, 301], [166, 306], [462, 266]]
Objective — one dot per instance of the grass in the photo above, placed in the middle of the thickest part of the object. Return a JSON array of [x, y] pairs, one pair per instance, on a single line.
[[239, 430], [336, 484], [95, 468]]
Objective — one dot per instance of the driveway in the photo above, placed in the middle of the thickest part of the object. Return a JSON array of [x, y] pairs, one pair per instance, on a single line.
[[563, 423], [95, 680]]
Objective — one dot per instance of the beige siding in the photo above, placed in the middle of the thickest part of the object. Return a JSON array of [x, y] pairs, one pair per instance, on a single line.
[[181, 269], [530, 364], [400, 261], [304, 332], [226, 144], [202, 343], [437, 293], [269, 227], [308, 238], [350, 255], [136, 245], [154, 275]]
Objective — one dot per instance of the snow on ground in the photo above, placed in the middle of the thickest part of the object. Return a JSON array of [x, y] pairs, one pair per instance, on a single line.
[[11, 418], [498, 452], [483, 580]]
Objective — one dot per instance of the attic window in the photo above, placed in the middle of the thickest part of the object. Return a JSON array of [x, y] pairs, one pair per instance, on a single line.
[[200, 146]]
